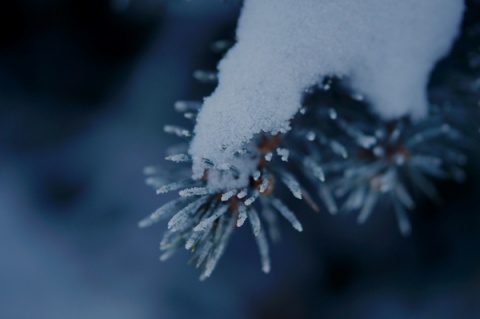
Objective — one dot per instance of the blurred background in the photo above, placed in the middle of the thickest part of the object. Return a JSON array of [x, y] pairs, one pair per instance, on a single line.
[[85, 89]]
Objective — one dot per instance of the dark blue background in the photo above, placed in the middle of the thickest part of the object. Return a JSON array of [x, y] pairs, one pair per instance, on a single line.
[[85, 89]]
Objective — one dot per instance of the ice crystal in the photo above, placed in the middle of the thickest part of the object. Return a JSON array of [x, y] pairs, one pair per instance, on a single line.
[[202, 219]]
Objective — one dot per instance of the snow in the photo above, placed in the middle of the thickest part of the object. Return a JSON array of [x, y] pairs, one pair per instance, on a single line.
[[385, 50]]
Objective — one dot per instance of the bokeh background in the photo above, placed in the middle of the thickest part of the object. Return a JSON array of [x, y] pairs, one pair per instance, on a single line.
[[85, 89]]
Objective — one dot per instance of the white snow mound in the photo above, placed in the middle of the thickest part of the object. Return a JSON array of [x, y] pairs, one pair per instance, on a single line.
[[386, 48]]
